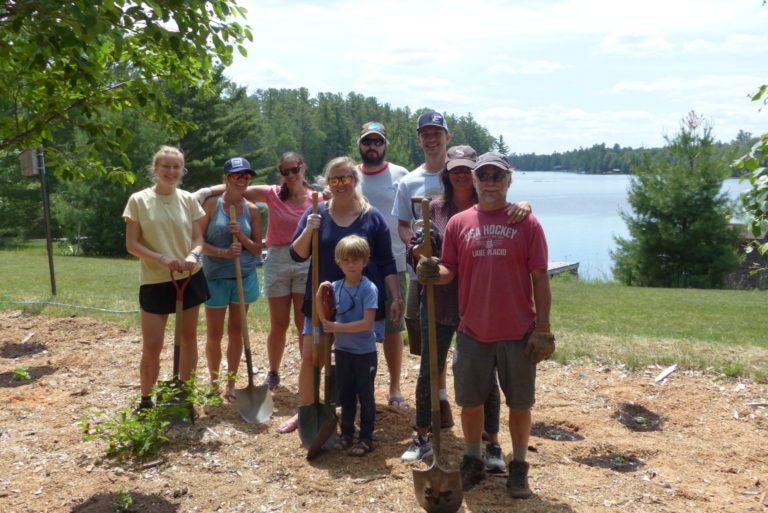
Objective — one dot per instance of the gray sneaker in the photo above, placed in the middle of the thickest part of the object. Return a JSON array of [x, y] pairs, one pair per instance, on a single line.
[[472, 472], [494, 459], [517, 481], [419, 449]]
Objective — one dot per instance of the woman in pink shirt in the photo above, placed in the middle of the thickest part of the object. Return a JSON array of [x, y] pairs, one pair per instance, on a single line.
[[284, 279]]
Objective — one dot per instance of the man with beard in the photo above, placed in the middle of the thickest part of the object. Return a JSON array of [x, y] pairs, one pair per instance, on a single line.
[[379, 184]]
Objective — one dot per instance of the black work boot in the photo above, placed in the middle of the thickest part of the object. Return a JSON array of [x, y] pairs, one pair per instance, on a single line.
[[517, 480], [472, 472]]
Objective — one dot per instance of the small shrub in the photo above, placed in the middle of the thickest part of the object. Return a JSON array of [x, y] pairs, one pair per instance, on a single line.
[[22, 374], [142, 433], [124, 501]]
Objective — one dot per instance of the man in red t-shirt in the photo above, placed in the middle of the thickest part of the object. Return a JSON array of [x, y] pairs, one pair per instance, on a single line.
[[504, 304]]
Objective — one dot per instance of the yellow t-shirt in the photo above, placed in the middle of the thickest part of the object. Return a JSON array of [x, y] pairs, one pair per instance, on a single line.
[[166, 227]]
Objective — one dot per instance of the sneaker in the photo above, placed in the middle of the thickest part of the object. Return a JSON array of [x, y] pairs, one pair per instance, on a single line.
[[419, 449], [144, 406], [472, 472], [272, 380], [446, 417], [494, 459], [517, 481]]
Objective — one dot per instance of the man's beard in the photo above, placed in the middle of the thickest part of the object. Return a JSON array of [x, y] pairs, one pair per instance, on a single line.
[[375, 161]]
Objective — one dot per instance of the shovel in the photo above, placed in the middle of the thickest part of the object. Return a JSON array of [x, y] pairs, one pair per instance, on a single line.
[[412, 324], [437, 490], [178, 414], [313, 417], [329, 427], [254, 403]]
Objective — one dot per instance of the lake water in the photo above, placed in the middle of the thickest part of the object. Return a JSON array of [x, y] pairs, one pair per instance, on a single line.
[[580, 214]]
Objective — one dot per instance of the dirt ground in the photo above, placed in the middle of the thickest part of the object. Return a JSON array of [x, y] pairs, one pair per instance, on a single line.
[[605, 440]]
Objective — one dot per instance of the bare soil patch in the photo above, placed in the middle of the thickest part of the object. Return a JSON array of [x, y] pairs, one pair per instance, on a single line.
[[708, 452]]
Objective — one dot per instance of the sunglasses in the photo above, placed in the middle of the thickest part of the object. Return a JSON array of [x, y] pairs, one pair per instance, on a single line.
[[240, 175], [376, 141], [461, 170], [343, 180], [290, 170], [485, 176]]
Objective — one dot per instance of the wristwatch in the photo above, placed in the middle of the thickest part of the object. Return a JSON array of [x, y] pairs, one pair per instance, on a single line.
[[195, 254]]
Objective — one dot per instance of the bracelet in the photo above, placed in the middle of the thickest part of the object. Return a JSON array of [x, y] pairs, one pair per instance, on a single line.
[[160, 258], [195, 254], [398, 299], [543, 328]]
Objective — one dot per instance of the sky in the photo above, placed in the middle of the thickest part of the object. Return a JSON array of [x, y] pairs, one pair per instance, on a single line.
[[547, 75]]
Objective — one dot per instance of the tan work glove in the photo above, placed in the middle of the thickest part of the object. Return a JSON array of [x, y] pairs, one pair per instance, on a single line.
[[428, 270], [541, 344]]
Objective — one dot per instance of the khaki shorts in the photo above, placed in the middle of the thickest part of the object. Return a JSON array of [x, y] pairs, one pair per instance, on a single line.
[[473, 376], [389, 327], [283, 276]]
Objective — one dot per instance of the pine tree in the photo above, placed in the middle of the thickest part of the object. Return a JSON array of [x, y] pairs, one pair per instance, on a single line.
[[679, 231]]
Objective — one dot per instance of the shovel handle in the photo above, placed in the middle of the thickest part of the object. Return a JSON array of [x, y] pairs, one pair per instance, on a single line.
[[241, 301], [434, 389], [178, 321]]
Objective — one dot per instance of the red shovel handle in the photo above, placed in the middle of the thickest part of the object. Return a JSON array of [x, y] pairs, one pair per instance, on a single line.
[[180, 288], [328, 304]]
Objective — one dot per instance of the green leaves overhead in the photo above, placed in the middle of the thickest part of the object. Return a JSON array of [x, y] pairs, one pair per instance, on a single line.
[[66, 64]]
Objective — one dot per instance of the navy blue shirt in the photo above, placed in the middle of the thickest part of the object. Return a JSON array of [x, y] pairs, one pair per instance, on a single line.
[[369, 225]]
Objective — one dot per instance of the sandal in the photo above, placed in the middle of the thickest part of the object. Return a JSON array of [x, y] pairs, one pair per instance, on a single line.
[[343, 443], [288, 426], [398, 401], [361, 448], [230, 396]]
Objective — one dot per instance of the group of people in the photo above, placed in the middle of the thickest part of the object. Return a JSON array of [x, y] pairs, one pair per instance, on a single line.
[[489, 272]]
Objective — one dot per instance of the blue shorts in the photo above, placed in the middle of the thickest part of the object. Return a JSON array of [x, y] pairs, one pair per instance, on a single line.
[[224, 291], [378, 328]]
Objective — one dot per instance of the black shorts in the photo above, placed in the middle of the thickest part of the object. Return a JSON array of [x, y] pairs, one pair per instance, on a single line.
[[160, 298]]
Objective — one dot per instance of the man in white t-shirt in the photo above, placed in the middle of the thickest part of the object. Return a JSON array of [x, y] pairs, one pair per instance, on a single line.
[[424, 181], [379, 184]]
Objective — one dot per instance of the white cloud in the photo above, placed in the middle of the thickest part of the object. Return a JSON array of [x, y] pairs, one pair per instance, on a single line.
[[636, 45]]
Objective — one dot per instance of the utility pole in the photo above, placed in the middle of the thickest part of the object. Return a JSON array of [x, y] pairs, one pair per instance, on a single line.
[[33, 163]]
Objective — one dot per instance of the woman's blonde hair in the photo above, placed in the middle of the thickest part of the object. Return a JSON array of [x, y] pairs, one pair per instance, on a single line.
[[354, 247], [165, 151], [348, 163]]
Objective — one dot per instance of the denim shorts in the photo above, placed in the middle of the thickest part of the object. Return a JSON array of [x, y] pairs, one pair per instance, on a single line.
[[378, 328]]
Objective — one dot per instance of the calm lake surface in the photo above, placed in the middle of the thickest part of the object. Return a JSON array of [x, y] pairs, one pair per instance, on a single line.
[[580, 214]]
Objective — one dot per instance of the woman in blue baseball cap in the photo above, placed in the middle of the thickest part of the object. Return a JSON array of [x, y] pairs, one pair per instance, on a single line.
[[219, 250]]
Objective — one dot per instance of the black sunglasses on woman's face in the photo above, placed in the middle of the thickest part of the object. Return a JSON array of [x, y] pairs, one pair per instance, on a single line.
[[290, 170]]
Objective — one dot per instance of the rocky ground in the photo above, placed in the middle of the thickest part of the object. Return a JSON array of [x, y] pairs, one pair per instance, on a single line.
[[605, 440]]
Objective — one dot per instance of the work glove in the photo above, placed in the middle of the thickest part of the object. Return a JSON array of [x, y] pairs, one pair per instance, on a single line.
[[541, 344], [428, 270]]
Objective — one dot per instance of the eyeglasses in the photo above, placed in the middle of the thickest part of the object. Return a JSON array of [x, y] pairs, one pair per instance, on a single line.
[[376, 141], [240, 175], [461, 170], [485, 176], [343, 180], [290, 170]]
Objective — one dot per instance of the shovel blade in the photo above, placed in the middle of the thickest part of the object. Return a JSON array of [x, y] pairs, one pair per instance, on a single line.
[[312, 417], [326, 437], [437, 490], [254, 403]]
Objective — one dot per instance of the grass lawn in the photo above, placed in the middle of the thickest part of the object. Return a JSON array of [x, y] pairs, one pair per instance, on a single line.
[[721, 330]]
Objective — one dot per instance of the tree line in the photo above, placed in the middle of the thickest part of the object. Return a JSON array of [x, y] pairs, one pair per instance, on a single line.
[[223, 121], [603, 159]]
